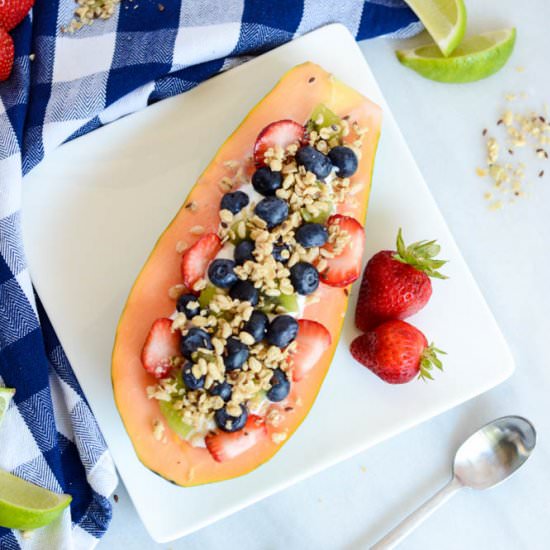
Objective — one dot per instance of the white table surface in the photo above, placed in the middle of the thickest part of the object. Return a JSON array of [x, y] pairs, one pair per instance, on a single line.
[[351, 505]]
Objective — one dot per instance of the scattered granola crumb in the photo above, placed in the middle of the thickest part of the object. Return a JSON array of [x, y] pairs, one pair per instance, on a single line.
[[525, 132], [492, 151], [115, 498], [481, 172], [363, 469], [160, 7], [32, 57], [520, 69], [88, 11], [26, 535]]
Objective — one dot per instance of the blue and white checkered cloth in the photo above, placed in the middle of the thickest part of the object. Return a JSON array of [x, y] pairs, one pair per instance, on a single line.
[[76, 83]]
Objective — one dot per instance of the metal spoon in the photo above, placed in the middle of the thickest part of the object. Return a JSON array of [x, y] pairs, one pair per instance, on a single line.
[[487, 457]]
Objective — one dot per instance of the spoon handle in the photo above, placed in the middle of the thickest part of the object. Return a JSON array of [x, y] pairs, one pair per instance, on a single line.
[[412, 521]]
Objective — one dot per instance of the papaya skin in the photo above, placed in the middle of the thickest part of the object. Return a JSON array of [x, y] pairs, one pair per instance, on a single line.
[[295, 96]]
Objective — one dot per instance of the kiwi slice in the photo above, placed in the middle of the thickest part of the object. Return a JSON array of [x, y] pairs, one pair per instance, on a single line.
[[257, 399], [288, 301], [237, 239], [174, 419], [206, 296], [328, 119], [324, 213]]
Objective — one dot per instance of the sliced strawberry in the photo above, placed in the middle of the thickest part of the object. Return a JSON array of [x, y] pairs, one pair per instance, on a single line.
[[313, 340], [161, 345], [225, 446], [282, 133], [345, 268], [195, 260]]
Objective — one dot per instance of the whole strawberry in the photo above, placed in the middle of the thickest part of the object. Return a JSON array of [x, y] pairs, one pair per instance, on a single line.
[[396, 283], [12, 12], [396, 352], [6, 54]]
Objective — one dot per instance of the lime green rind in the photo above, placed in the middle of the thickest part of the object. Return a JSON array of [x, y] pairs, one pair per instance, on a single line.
[[466, 65], [446, 41], [27, 506], [448, 47], [6, 395]]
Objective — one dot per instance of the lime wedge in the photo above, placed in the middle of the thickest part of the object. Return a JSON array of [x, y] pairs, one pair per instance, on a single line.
[[26, 506], [5, 397], [477, 57], [445, 20]]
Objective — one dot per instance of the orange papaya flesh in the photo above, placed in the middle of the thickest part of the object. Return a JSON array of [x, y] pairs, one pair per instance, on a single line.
[[294, 97]]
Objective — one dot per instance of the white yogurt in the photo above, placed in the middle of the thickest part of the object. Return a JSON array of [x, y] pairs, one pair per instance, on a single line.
[[253, 195]]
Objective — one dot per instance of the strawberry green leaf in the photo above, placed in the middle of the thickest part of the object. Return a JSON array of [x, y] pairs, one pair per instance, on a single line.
[[420, 255], [428, 360]]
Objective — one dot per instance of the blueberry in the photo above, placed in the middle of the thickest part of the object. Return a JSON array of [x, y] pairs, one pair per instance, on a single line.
[[223, 390], [314, 161], [228, 423], [272, 210], [344, 160], [282, 330], [235, 354], [266, 182], [181, 305], [196, 338], [234, 202], [243, 251], [257, 325], [277, 250], [191, 383], [304, 278], [221, 273], [280, 386], [312, 234], [245, 291]]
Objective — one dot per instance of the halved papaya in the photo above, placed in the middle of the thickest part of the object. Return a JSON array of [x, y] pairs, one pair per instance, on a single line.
[[295, 97]]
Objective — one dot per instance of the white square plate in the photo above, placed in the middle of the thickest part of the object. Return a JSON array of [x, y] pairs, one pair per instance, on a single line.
[[94, 209]]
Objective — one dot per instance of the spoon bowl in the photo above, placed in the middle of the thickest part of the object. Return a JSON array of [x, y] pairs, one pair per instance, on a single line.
[[494, 452]]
